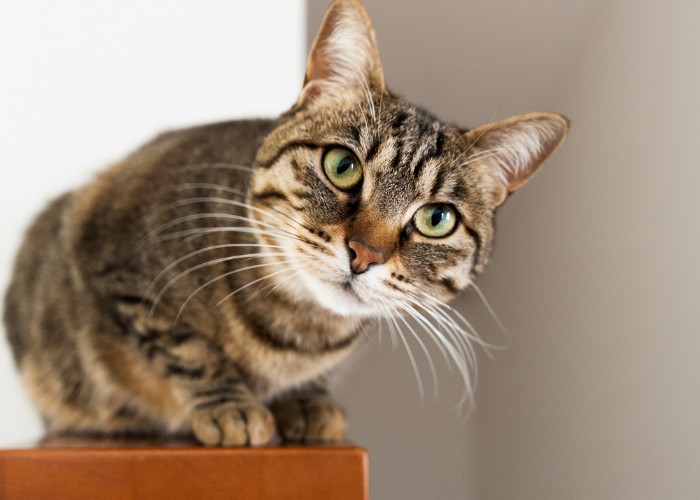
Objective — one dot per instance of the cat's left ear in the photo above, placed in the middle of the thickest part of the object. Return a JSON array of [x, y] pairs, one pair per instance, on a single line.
[[515, 148], [344, 57]]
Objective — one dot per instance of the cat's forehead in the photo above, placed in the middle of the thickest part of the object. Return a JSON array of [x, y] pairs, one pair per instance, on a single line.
[[381, 116], [407, 152]]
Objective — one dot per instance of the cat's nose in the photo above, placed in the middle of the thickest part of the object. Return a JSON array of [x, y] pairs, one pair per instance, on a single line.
[[362, 256]]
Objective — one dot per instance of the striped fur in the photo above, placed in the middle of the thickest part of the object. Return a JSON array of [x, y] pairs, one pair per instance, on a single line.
[[204, 286]]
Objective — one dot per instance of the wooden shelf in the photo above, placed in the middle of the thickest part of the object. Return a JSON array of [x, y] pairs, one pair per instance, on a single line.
[[132, 470]]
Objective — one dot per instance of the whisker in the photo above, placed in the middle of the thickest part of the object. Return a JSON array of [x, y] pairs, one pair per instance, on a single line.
[[197, 252], [208, 263], [271, 287], [216, 199], [471, 332], [421, 391], [267, 276], [220, 277], [202, 231], [361, 325], [456, 333], [481, 155], [288, 217], [442, 345], [380, 330], [276, 233], [222, 165], [459, 361], [392, 333], [208, 185], [488, 307], [426, 352], [209, 215]]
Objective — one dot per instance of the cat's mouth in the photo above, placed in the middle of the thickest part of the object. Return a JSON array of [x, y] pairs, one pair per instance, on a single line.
[[348, 288]]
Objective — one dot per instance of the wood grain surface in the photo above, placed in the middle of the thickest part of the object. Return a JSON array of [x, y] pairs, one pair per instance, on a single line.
[[117, 470]]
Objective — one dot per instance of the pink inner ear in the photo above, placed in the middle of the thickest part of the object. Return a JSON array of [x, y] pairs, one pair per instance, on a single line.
[[344, 56], [317, 70], [521, 143]]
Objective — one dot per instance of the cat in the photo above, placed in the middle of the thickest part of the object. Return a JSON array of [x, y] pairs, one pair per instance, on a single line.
[[208, 283]]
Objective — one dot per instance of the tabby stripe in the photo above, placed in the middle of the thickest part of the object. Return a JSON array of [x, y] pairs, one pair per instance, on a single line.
[[131, 299], [459, 192], [181, 371], [449, 284], [217, 402], [373, 149], [352, 206], [439, 143], [355, 133], [318, 232], [433, 152], [221, 391], [265, 335], [438, 182], [284, 149], [74, 390], [397, 160], [269, 194], [125, 411], [398, 121], [180, 337], [156, 349], [419, 164], [477, 239], [244, 417]]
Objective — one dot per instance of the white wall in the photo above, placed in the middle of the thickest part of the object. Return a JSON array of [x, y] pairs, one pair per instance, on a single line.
[[597, 396], [83, 83]]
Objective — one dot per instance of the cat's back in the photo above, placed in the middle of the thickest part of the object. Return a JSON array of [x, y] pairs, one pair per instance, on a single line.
[[85, 233], [234, 141]]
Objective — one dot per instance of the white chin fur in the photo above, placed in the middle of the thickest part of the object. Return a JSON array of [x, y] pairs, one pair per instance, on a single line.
[[334, 298]]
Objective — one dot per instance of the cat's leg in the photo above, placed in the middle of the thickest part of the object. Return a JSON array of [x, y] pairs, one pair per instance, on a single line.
[[194, 386], [220, 409], [309, 415]]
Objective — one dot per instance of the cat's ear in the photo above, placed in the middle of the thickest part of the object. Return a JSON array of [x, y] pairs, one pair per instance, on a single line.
[[344, 57], [515, 148]]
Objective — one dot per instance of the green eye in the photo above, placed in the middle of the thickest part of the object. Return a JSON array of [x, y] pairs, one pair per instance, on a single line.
[[435, 221], [342, 168]]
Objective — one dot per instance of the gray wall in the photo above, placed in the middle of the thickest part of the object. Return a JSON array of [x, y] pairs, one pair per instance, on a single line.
[[595, 271]]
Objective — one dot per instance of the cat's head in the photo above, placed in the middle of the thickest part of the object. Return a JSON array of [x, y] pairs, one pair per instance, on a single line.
[[377, 204]]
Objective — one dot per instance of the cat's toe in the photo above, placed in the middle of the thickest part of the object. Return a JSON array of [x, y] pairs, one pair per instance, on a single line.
[[233, 424], [312, 420]]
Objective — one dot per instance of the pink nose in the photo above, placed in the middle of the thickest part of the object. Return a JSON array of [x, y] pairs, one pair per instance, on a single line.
[[361, 257]]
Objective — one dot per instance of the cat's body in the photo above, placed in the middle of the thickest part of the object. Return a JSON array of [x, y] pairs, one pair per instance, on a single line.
[[209, 281], [78, 290]]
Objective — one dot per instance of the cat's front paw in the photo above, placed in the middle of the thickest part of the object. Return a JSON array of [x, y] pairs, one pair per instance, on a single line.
[[309, 420], [233, 424]]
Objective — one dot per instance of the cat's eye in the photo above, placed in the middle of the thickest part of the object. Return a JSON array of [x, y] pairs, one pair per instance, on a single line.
[[435, 220], [342, 168]]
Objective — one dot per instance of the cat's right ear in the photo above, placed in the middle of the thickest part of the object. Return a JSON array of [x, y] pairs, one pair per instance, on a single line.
[[514, 148], [344, 57]]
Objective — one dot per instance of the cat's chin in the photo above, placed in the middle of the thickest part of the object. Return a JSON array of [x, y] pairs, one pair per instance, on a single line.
[[339, 298]]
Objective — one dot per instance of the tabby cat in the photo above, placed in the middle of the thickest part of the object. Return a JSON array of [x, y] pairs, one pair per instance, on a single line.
[[206, 284]]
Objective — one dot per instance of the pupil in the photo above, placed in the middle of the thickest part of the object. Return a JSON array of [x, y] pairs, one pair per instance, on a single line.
[[437, 217], [344, 165]]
